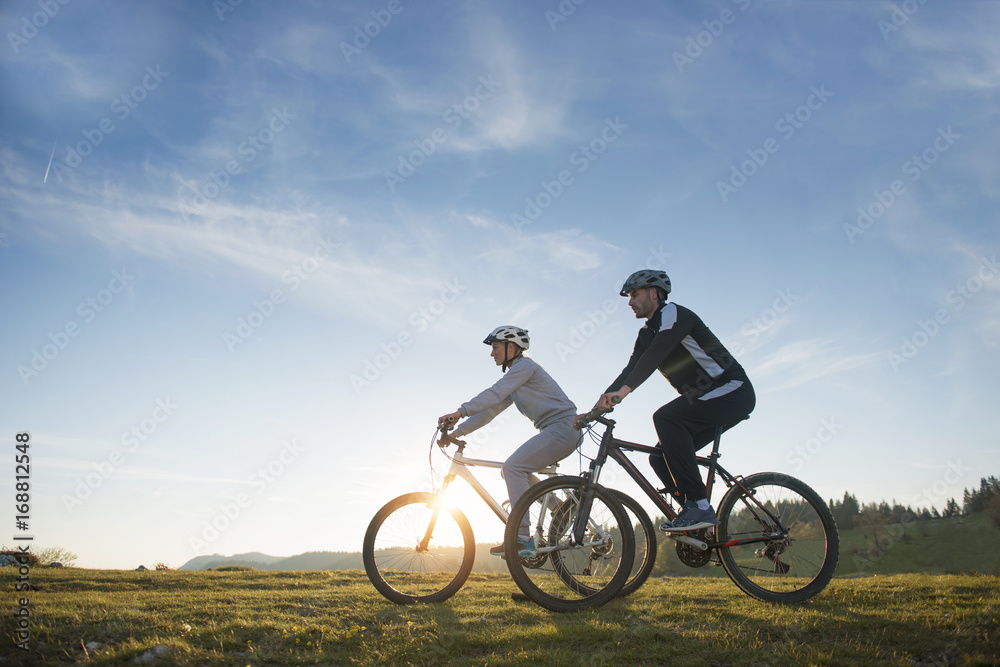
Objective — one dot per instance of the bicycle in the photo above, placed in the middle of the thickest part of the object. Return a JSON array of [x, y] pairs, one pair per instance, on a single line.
[[776, 538], [419, 548]]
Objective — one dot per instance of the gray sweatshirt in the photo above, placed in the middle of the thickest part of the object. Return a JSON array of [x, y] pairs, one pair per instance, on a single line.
[[526, 385]]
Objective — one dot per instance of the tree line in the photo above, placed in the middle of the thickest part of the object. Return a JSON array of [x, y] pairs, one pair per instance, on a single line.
[[849, 513]]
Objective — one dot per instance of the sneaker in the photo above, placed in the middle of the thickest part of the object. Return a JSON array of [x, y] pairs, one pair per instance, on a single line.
[[691, 518], [525, 549], [667, 525]]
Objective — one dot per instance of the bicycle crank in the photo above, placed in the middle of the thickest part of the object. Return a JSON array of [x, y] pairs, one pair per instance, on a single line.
[[691, 551], [700, 545]]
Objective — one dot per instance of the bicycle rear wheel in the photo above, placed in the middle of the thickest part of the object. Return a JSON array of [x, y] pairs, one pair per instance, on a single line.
[[564, 576], [796, 544], [644, 557], [417, 549], [645, 543]]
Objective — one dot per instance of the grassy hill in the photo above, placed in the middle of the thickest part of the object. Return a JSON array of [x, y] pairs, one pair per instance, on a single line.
[[337, 618], [960, 545]]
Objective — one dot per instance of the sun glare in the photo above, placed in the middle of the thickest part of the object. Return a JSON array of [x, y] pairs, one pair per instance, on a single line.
[[485, 525]]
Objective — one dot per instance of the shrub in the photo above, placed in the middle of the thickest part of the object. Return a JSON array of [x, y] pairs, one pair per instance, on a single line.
[[56, 555]]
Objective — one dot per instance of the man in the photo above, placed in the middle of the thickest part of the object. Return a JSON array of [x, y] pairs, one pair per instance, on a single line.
[[714, 390]]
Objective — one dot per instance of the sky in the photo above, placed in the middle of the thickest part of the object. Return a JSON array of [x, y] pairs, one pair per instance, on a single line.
[[249, 251]]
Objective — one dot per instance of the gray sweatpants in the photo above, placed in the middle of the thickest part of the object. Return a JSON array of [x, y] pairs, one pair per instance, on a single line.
[[552, 444]]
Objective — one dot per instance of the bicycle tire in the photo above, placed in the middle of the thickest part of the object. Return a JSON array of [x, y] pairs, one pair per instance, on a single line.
[[792, 566], [402, 571], [578, 577], [644, 558]]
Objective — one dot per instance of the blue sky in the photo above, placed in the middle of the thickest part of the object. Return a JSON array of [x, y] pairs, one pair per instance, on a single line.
[[249, 251]]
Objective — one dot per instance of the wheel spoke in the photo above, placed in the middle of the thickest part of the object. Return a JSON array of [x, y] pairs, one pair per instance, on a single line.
[[404, 571], [572, 576], [799, 556], [645, 543]]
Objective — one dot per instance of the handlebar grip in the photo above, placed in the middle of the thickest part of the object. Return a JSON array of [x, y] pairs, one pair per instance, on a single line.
[[590, 416]]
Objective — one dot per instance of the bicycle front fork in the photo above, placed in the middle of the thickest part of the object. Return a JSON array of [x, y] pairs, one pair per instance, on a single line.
[[580, 522]]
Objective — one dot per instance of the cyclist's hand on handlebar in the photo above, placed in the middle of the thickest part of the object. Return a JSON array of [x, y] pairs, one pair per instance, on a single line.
[[583, 420], [611, 399], [446, 422], [604, 404]]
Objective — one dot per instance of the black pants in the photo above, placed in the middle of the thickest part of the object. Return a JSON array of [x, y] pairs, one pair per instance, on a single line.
[[687, 424]]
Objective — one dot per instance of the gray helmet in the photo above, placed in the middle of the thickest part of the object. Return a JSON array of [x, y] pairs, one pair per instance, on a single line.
[[509, 334], [646, 278]]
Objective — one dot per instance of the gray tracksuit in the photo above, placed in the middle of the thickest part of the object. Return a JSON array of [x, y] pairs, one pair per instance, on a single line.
[[540, 399]]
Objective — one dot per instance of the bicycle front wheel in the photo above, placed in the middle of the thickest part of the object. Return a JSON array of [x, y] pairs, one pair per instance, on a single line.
[[563, 575], [780, 541], [418, 549]]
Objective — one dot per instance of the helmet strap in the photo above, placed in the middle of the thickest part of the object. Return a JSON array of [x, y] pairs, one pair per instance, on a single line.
[[507, 361]]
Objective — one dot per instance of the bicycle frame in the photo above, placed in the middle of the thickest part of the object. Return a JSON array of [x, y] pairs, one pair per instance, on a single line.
[[460, 467], [615, 448]]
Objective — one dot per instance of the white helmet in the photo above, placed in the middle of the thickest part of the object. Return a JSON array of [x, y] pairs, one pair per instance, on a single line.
[[509, 334]]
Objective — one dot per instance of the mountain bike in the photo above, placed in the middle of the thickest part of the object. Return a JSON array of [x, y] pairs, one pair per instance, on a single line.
[[776, 538], [420, 548]]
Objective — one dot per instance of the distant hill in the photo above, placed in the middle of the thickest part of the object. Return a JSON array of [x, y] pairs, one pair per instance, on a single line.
[[320, 560], [253, 559], [313, 560]]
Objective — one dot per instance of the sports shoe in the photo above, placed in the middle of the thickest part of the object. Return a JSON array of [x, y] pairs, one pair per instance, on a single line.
[[525, 549], [691, 518]]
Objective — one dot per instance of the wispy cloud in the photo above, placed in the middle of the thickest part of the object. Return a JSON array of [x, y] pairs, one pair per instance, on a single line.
[[810, 360], [976, 68]]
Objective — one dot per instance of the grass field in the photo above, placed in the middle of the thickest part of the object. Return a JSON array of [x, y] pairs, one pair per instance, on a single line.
[[925, 547], [337, 618]]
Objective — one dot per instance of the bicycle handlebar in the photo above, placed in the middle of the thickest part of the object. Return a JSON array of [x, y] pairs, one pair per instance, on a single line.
[[446, 439], [594, 413]]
